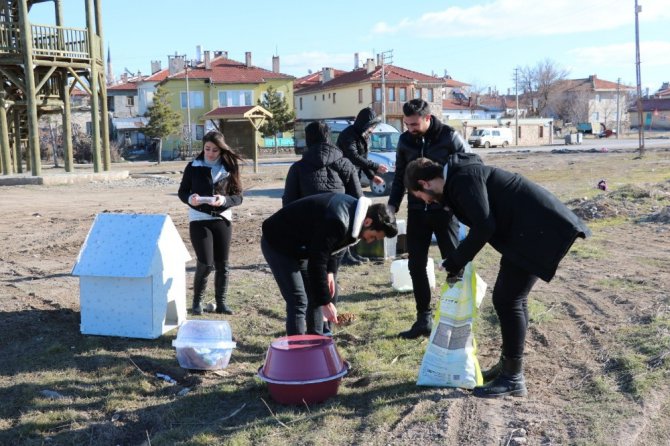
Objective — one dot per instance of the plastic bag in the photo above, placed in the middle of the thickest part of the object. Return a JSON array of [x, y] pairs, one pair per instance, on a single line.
[[451, 356]]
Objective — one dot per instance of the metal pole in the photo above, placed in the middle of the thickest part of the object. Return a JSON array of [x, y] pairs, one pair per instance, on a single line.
[[618, 118], [640, 122], [383, 92], [516, 114], [188, 110]]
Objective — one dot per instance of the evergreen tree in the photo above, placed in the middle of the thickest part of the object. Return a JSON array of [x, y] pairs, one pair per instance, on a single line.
[[282, 117], [163, 120]]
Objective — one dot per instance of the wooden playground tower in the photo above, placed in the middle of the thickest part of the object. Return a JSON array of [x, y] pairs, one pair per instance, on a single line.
[[40, 65]]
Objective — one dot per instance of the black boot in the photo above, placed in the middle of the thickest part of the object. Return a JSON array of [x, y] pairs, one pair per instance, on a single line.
[[422, 326], [200, 286], [510, 381], [493, 372], [221, 288]]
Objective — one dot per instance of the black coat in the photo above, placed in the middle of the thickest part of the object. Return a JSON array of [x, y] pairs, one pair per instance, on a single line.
[[313, 228], [523, 221], [355, 147], [321, 169], [439, 142], [197, 179]]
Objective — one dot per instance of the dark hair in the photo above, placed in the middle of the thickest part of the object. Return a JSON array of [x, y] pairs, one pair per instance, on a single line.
[[421, 169], [317, 132], [416, 107], [230, 159], [382, 220]]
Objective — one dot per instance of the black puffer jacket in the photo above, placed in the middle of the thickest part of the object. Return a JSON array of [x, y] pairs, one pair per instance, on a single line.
[[437, 144], [321, 169], [197, 179], [355, 146], [524, 222], [314, 228]]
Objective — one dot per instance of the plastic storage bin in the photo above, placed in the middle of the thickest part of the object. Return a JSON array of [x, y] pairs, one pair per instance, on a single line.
[[402, 281], [204, 345]]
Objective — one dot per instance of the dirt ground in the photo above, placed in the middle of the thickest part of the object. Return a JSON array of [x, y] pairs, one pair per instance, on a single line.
[[42, 229]]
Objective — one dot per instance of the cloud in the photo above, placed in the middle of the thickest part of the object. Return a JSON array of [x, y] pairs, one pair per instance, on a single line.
[[299, 64], [524, 18], [652, 54]]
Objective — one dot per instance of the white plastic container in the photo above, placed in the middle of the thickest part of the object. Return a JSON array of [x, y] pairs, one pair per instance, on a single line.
[[402, 281], [204, 345]]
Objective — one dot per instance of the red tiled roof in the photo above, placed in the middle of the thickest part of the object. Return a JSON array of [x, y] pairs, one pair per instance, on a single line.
[[652, 105], [392, 74], [591, 83], [129, 86], [227, 71], [78, 92], [313, 79], [453, 83], [158, 76], [455, 104]]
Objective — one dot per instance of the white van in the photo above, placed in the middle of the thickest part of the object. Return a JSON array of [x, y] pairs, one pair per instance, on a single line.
[[491, 137]]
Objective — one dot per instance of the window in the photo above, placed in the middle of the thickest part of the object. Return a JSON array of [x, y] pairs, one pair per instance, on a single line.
[[429, 92], [360, 95], [391, 95], [519, 132], [196, 99], [334, 97], [417, 93], [323, 97], [378, 94], [300, 101], [235, 98], [130, 101], [110, 103], [597, 98], [595, 116], [402, 94], [540, 131]]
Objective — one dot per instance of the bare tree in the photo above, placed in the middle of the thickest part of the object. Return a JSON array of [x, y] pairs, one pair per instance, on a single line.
[[539, 85]]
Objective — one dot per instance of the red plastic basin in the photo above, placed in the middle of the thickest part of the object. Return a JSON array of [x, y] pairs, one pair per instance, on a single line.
[[302, 358], [303, 369]]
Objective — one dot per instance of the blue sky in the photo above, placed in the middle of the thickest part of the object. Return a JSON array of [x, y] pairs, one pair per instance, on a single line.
[[478, 42]]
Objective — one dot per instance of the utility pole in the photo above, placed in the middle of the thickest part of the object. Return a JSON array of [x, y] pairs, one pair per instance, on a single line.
[[618, 118], [188, 109], [640, 122], [516, 114], [386, 55]]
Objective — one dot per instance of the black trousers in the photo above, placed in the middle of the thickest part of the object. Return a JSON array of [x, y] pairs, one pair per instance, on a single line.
[[293, 282], [211, 240], [510, 300], [421, 224]]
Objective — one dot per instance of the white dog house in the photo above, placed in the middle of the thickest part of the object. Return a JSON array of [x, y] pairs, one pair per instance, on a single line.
[[132, 276]]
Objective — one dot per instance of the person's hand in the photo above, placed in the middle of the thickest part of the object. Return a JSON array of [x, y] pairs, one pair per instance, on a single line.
[[331, 284], [219, 201], [377, 179], [382, 168], [329, 312], [193, 199], [452, 278]]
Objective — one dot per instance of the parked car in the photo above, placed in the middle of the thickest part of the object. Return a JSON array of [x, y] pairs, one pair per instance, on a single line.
[[383, 144], [491, 137]]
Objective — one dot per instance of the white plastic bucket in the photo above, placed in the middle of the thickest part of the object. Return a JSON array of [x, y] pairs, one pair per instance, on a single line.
[[402, 281]]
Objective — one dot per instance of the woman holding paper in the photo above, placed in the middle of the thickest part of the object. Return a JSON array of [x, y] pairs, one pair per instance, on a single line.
[[211, 185]]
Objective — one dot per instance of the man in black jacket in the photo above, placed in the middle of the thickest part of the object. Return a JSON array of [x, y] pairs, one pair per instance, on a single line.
[[530, 227], [353, 141], [316, 228], [425, 137]]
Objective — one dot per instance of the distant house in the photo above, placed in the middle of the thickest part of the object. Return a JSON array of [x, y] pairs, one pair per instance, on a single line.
[[334, 94], [655, 113], [462, 109], [123, 103], [592, 102], [198, 88]]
